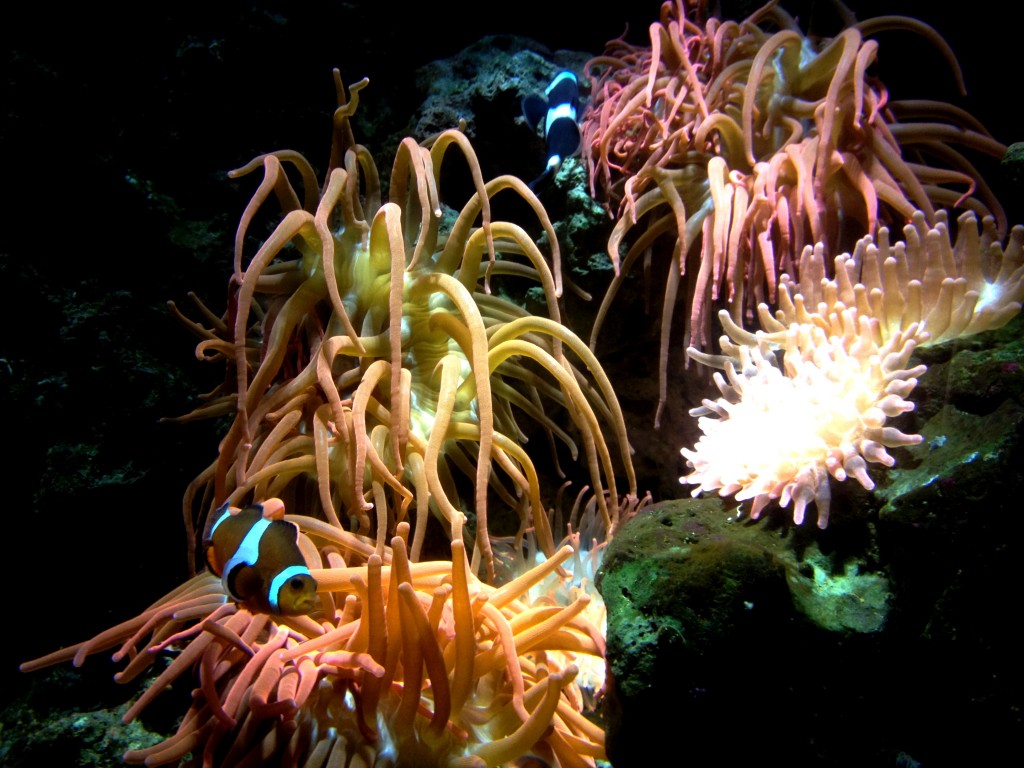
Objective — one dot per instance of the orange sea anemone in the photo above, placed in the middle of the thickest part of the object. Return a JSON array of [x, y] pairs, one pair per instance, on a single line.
[[407, 664], [745, 145]]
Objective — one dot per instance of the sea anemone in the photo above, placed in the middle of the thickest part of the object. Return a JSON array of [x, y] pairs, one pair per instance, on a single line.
[[744, 146], [783, 428], [373, 366], [372, 372], [407, 664], [952, 288]]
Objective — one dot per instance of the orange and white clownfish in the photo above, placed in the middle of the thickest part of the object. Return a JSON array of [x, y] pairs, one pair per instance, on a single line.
[[256, 554]]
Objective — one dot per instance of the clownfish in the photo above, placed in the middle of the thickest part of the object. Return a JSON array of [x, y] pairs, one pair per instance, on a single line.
[[557, 108], [256, 554]]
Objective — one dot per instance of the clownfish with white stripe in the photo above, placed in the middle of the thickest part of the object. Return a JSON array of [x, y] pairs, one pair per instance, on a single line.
[[557, 109], [256, 554]]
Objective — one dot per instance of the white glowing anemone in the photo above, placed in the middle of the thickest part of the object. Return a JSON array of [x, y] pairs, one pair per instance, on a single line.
[[783, 428], [778, 432]]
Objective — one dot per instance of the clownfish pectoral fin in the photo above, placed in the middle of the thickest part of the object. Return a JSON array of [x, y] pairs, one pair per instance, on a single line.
[[247, 585], [213, 565]]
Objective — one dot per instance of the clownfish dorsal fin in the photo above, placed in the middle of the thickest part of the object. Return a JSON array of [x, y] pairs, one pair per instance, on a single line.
[[273, 509]]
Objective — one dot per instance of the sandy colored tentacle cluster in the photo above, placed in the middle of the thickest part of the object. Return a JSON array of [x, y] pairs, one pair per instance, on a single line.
[[954, 288]]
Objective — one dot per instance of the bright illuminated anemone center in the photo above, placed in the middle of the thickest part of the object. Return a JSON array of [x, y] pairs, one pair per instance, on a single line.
[[780, 432]]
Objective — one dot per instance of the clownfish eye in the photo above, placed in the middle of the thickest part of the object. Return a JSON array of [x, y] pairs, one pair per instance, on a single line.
[[296, 584]]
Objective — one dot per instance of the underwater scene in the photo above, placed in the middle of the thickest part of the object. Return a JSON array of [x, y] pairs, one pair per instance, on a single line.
[[545, 386]]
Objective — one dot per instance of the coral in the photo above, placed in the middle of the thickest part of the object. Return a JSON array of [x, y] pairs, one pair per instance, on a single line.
[[682, 608], [848, 601], [744, 146]]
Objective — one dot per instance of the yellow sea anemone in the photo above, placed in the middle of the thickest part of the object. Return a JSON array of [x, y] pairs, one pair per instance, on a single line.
[[374, 368], [374, 377]]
